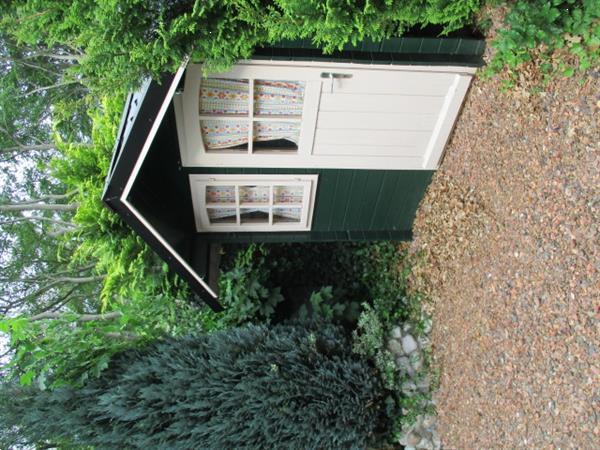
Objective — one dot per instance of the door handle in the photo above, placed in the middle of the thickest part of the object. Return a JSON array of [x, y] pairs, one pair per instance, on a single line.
[[332, 75]]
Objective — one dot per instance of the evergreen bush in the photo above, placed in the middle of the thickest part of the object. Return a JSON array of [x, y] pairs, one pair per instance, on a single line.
[[123, 40], [287, 387], [537, 29]]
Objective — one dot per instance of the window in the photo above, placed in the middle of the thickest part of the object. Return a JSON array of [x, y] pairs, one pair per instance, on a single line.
[[250, 115], [225, 203]]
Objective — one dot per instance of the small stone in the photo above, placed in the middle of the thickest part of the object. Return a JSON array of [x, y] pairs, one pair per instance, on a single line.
[[425, 444], [409, 388], [424, 341], [395, 347], [412, 439], [427, 325], [409, 344], [403, 363], [424, 383], [396, 333], [417, 364], [429, 422]]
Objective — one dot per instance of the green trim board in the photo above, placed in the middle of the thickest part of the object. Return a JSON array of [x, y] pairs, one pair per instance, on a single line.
[[349, 204], [410, 50]]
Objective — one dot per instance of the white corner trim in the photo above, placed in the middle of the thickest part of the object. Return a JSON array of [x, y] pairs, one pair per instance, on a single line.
[[443, 127], [136, 169]]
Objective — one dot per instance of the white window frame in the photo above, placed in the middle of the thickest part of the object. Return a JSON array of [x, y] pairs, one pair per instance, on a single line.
[[188, 117], [199, 183]]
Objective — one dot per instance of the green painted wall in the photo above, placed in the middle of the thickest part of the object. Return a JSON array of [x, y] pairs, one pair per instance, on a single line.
[[349, 205]]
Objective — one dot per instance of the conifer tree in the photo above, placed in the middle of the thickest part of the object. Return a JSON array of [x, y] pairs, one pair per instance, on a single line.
[[252, 387]]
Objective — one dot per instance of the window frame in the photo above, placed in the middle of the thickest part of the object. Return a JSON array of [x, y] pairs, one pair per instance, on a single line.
[[188, 117], [200, 182]]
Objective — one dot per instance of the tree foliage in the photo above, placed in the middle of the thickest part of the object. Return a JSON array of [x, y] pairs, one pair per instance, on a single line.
[[123, 40], [251, 387]]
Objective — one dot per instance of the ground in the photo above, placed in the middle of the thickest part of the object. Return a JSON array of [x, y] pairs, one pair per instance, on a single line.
[[509, 249]]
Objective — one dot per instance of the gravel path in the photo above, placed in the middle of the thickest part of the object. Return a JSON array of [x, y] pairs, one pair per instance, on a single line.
[[510, 245]]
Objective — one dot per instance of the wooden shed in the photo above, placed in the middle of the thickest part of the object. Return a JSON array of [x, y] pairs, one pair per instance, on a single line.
[[290, 146]]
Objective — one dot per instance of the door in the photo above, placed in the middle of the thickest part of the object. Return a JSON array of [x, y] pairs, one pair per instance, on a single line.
[[319, 115]]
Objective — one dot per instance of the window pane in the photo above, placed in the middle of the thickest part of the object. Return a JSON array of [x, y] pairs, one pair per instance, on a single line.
[[254, 194], [224, 96], [278, 98], [221, 215], [230, 135], [276, 136], [286, 215], [254, 215], [220, 194], [288, 194]]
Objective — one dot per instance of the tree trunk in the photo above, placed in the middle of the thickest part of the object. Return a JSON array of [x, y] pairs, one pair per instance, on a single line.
[[79, 318], [39, 207]]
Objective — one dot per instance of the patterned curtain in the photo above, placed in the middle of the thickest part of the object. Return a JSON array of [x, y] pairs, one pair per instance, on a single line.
[[271, 98]]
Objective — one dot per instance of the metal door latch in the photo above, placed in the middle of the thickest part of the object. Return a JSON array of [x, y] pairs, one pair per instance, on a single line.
[[331, 76]]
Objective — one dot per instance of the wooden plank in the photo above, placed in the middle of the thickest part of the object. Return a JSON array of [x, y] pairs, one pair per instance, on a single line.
[[383, 201], [326, 192], [390, 138], [377, 121], [368, 194], [309, 116], [394, 103], [356, 199], [412, 151], [341, 199], [382, 82]]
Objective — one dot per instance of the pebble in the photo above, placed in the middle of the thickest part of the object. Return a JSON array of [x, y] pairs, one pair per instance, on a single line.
[[425, 444], [403, 363], [422, 434], [413, 439], [409, 344], [417, 364], [395, 347], [524, 223], [397, 333]]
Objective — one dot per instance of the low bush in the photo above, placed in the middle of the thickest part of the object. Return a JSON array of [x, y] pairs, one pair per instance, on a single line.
[[245, 290], [539, 28], [251, 387]]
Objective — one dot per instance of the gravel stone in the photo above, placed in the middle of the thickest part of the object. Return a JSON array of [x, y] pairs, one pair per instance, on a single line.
[[403, 363], [425, 444], [413, 439], [409, 344], [395, 347], [521, 176]]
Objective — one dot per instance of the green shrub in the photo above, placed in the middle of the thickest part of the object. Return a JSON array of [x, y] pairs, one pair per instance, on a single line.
[[245, 290], [540, 27], [123, 40], [385, 271], [252, 387]]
